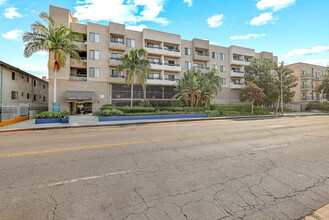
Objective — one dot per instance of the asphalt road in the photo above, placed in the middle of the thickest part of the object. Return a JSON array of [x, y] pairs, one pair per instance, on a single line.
[[252, 169]]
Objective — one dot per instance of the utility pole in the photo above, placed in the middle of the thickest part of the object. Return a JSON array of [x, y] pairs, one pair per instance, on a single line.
[[282, 71]]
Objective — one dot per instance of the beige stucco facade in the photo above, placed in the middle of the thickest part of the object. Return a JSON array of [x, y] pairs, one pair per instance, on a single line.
[[169, 56], [309, 76], [17, 86]]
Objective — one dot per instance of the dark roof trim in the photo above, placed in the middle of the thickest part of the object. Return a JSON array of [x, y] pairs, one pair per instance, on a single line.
[[21, 71]]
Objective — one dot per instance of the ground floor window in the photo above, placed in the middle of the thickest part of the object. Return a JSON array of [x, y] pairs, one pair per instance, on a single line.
[[120, 91], [77, 108]]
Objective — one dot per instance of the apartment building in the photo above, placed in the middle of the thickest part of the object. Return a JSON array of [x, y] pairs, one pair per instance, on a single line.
[[309, 76], [19, 88], [93, 82]]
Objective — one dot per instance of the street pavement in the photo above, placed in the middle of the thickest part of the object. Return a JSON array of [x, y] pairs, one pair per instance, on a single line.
[[228, 169]]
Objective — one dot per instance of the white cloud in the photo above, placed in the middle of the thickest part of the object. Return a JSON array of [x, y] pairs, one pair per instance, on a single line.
[[214, 43], [323, 62], [274, 5], [247, 37], [121, 11], [137, 28], [189, 2], [42, 53], [215, 21], [11, 13], [13, 35], [303, 52], [262, 19]]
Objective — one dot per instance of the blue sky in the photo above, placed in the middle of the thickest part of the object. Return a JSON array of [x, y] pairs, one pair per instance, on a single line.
[[294, 30]]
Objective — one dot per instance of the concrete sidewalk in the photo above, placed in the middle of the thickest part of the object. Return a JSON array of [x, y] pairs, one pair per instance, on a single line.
[[92, 121], [320, 214]]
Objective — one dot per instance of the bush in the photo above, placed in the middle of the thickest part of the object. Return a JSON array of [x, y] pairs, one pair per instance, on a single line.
[[318, 106], [52, 115], [112, 112], [214, 113], [237, 108]]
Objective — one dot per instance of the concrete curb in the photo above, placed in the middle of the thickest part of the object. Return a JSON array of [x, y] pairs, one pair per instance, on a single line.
[[164, 121]]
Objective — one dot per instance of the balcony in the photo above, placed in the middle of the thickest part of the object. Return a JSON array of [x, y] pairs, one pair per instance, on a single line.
[[172, 52], [235, 73], [306, 87], [307, 98], [81, 45], [115, 61], [172, 67], [78, 76], [78, 64], [161, 81], [240, 62], [202, 56], [117, 45], [306, 75], [156, 65], [318, 78], [237, 85], [153, 49], [117, 78]]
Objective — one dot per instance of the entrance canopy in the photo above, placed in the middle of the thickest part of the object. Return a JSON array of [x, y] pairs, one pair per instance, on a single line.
[[79, 95]]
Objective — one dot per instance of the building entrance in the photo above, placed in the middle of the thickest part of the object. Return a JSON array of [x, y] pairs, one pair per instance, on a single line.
[[79, 108]]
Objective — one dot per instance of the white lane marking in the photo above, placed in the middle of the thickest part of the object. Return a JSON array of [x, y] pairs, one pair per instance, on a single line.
[[84, 178], [271, 147], [275, 126]]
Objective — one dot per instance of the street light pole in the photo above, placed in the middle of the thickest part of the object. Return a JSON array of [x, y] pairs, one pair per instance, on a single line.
[[281, 87]]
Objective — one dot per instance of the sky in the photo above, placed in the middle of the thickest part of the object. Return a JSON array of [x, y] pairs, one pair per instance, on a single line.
[[294, 30]]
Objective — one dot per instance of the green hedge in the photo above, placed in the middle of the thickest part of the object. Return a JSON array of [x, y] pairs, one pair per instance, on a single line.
[[238, 108], [318, 106], [153, 109], [52, 115]]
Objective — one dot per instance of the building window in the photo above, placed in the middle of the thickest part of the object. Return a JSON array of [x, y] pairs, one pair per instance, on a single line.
[[169, 77], [28, 95], [222, 69], [44, 86], [130, 43], [14, 95], [14, 76], [215, 55], [188, 65], [22, 94], [44, 99], [223, 81], [116, 56], [118, 40], [154, 76], [94, 72], [215, 66], [22, 77], [35, 98], [93, 37], [222, 56], [28, 79], [34, 83], [187, 51], [94, 55]]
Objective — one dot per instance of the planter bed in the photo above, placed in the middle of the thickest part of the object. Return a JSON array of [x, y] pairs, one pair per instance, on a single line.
[[51, 120], [147, 117]]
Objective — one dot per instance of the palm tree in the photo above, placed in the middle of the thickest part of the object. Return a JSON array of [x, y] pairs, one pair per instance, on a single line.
[[58, 41], [197, 89], [135, 65]]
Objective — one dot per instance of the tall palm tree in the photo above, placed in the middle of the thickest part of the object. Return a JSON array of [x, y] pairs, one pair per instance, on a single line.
[[135, 65], [58, 41]]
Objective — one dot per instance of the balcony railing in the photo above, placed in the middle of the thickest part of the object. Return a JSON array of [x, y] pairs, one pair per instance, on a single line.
[[237, 59], [78, 74], [307, 87], [202, 67], [202, 54], [172, 64], [154, 78], [238, 84], [117, 76], [170, 49], [153, 47], [117, 41], [247, 60], [238, 71], [307, 98], [116, 58], [154, 62], [306, 75]]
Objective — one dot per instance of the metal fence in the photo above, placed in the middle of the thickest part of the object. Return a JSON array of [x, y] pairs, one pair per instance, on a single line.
[[17, 110]]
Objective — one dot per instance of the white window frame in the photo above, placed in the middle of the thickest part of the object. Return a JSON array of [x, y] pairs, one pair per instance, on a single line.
[[222, 56], [94, 72], [94, 37], [94, 55], [130, 43]]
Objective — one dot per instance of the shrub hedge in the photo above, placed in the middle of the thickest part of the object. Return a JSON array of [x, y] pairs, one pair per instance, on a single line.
[[154, 109], [238, 108], [318, 106], [53, 115]]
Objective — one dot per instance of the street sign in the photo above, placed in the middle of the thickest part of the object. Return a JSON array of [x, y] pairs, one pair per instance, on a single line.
[[56, 107]]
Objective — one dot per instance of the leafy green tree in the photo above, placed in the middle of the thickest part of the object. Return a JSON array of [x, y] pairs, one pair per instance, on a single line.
[[57, 40], [324, 86], [135, 65], [196, 89], [252, 93], [289, 81]]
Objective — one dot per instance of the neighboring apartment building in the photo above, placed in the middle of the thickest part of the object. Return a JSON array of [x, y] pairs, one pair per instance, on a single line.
[[309, 76], [19, 88], [93, 82]]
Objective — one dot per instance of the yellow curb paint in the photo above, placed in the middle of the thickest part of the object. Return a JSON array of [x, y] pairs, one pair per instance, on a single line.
[[152, 141], [15, 120]]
